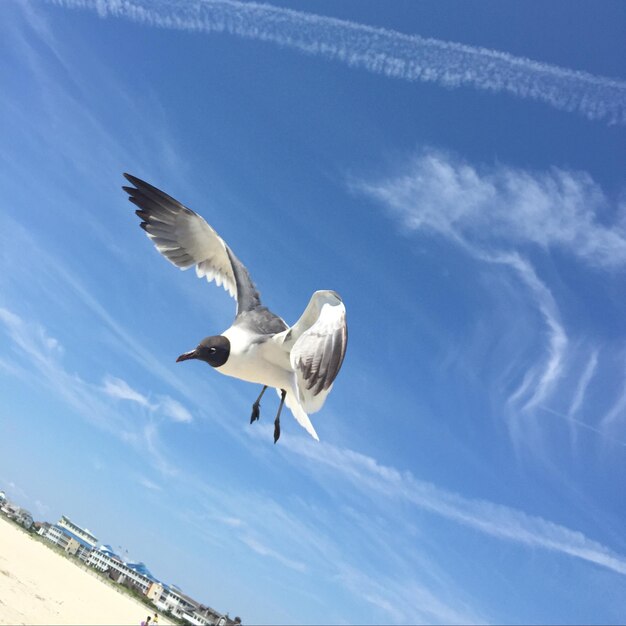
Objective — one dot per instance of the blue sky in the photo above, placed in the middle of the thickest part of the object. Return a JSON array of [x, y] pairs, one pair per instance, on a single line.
[[456, 171]]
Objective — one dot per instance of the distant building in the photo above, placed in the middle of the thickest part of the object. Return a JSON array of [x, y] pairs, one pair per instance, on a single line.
[[182, 606], [81, 533], [137, 574], [73, 539], [174, 601], [24, 518], [155, 590], [17, 514]]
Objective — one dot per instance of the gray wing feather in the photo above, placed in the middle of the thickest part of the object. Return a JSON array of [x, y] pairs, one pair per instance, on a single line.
[[185, 239], [321, 338]]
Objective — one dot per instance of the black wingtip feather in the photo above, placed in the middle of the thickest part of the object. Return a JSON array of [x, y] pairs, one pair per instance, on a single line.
[[139, 185], [131, 179], [150, 192]]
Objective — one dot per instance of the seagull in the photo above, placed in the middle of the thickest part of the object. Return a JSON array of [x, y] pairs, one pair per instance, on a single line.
[[300, 361]]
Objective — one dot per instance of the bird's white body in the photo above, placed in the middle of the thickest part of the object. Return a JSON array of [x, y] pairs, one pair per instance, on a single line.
[[276, 361], [257, 361]]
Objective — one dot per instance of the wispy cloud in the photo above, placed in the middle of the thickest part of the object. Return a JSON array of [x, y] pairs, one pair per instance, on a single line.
[[382, 51], [496, 520], [32, 339], [365, 552], [120, 389], [497, 207], [543, 376], [260, 548], [148, 484], [502, 215], [583, 384], [617, 412], [39, 353], [405, 600], [165, 405], [584, 426], [174, 409]]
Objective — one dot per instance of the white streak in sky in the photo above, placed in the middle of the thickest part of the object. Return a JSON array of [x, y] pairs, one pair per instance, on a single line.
[[120, 389], [381, 51], [148, 484], [499, 207], [617, 413], [548, 374], [260, 548], [42, 366], [581, 388], [496, 520], [581, 424], [486, 210], [174, 410]]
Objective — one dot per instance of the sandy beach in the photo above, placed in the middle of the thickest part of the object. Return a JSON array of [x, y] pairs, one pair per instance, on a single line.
[[39, 586]]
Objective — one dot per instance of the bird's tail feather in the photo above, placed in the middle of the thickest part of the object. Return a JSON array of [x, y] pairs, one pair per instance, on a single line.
[[292, 402]]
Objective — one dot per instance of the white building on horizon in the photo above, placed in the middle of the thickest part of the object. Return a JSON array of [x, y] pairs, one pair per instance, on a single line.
[[105, 560], [81, 533], [71, 538]]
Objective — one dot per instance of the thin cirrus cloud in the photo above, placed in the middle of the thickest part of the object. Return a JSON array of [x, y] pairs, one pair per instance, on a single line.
[[617, 413], [174, 409], [121, 390], [406, 601], [541, 378], [39, 362], [32, 340], [148, 484], [498, 521], [297, 534], [263, 550], [499, 206], [39, 352], [382, 51], [583, 384], [500, 215]]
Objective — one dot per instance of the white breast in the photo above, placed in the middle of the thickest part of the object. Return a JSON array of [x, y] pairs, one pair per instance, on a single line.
[[256, 360]]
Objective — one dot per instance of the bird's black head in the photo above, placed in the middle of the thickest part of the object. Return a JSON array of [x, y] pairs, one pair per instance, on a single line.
[[213, 350]]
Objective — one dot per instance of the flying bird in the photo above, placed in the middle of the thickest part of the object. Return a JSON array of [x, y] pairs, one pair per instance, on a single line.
[[300, 361]]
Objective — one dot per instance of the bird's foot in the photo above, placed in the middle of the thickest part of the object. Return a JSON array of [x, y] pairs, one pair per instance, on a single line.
[[283, 393], [256, 412], [276, 429]]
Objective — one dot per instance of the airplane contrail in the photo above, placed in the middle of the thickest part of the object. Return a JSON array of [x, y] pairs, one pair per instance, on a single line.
[[381, 51]]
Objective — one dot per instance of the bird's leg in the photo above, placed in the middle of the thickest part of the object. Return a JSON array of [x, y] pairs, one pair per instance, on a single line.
[[257, 405], [283, 393]]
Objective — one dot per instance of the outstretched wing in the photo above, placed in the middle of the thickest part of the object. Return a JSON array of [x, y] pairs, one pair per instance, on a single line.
[[318, 346], [185, 239]]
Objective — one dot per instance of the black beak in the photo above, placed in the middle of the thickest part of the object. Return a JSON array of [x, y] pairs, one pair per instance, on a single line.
[[192, 354]]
